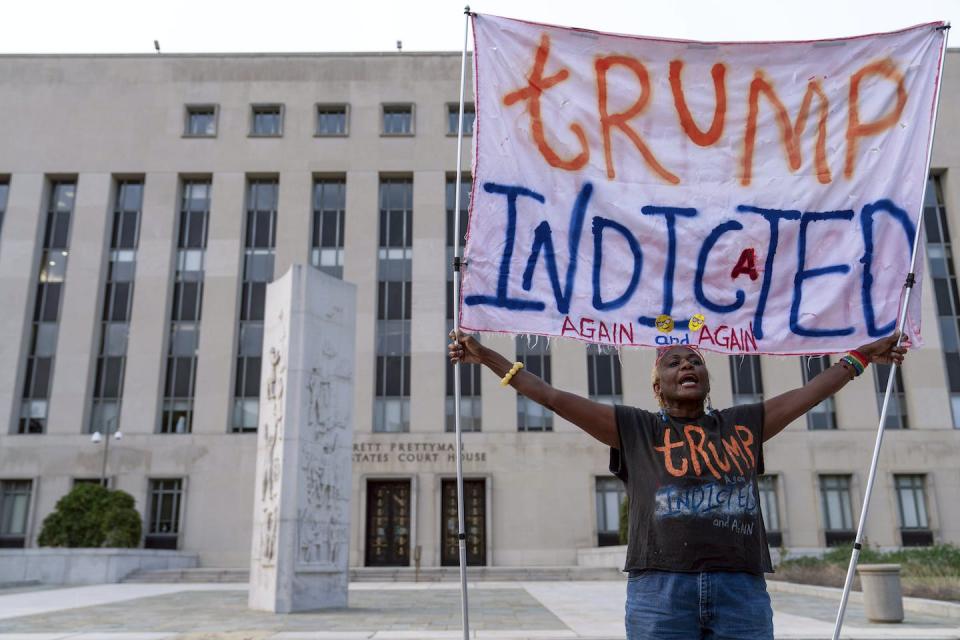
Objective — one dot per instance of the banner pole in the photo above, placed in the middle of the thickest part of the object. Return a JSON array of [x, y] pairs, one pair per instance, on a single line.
[[908, 286], [457, 263]]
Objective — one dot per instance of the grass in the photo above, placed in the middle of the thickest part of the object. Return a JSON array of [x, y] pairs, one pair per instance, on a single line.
[[926, 572]]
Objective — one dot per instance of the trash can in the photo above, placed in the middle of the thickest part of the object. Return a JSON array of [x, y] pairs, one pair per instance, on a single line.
[[882, 595]]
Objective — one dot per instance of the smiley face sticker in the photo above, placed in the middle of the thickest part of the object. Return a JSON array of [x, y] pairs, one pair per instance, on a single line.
[[664, 323], [696, 322]]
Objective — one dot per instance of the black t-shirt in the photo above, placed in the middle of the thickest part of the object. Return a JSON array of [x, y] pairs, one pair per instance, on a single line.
[[692, 485]]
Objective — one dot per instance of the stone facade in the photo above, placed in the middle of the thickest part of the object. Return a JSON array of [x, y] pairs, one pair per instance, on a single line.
[[101, 118]]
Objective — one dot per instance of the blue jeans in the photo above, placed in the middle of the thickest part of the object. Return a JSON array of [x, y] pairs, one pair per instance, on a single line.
[[713, 605]]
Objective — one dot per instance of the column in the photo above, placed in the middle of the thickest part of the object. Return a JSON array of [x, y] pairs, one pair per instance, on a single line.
[[360, 268], [569, 373], [150, 314], [499, 403], [221, 291], [19, 252], [80, 313], [428, 328], [294, 221]]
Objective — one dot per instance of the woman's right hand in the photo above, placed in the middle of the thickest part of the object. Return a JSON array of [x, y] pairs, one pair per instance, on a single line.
[[465, 349]]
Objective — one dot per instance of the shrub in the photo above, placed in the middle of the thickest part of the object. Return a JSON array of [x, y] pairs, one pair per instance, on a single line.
[[927, 572], [92, 516]]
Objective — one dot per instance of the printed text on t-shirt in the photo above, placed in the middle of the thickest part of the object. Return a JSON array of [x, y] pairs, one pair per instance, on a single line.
[[693, 454]]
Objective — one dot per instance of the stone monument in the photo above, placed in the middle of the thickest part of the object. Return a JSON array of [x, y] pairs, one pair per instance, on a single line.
[[301, 517]]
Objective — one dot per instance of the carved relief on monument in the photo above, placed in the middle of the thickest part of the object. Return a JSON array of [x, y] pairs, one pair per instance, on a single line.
[[323, 525], [272, 429]]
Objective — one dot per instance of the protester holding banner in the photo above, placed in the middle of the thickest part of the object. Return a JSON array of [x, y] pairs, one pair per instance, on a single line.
[[740, 198], [697, 549]]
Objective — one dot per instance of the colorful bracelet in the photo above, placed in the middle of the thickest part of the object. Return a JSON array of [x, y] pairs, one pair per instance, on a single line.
[[843, 364], [513, 371], [856, 363], [864, 360]]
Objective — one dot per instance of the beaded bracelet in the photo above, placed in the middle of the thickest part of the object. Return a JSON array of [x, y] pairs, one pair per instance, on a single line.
[[864, 360], [843, 364], [513, 371], [858, 365]]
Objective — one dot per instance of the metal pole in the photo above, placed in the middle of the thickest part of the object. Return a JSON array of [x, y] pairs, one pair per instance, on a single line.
[[461, 529], [858, 542]]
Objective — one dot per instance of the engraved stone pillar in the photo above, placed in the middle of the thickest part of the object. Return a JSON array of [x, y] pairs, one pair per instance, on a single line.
[[301, 518]]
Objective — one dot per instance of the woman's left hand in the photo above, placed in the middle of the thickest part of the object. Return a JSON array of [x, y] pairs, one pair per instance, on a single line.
[[885, 350]]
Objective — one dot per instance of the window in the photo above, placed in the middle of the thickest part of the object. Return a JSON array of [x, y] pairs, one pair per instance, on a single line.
[[201, 121], [329, 207], [331, 119], [398, 120], [836, 509], [164, 501], [45, 326], [470, 411], [260, 241], [746, 379], [266, 120], [470, 374], [4, 192], [391, 411], [897, 407], [117, 306], [944, 276], [184, 337], [610, 495], [469, 116], [823, 415], [14, 507], [603, 375], [770, 508], [912, 504], [534, 353]]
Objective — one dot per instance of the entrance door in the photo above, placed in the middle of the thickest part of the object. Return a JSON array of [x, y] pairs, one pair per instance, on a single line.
[[475, 521], [388, 523]]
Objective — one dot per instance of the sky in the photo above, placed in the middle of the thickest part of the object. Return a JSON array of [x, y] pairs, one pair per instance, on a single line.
[[198, 26]]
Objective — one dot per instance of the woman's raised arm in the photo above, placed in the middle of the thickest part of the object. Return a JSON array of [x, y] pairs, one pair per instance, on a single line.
[[596, 418], [787, 407]]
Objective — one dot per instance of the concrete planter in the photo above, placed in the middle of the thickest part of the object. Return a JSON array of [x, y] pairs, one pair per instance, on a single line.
[[882, 595], [57, 565]]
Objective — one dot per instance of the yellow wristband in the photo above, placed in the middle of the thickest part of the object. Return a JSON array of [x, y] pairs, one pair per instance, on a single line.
[[513, 371]]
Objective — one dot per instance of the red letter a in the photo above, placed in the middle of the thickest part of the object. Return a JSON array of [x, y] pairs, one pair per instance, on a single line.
[[747, 263]]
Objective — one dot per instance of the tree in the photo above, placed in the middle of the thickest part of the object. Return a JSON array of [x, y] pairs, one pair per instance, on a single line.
[[92, 516]]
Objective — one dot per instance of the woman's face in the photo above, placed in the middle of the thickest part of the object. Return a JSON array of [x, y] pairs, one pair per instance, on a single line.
[[683, 376]]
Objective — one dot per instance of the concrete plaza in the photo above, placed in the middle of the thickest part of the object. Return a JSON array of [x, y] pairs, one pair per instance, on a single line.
[[397, 611]]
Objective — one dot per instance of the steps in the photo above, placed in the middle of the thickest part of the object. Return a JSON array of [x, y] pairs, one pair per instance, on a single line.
[[189, 575], [397, 574]]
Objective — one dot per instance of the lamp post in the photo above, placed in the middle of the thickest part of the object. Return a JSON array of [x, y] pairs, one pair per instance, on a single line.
[[96, 438]]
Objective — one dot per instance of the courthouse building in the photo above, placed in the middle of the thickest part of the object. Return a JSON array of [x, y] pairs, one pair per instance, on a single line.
[[145, 202]]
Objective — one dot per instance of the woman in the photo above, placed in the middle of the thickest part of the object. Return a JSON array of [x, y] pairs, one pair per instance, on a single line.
[[697, 549]]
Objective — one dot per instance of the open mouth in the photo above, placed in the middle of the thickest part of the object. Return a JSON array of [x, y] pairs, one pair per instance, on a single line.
[[688, 381]]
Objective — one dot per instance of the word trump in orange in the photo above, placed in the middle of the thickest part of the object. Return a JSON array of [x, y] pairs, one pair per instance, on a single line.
[[696, 454], [883, 77]]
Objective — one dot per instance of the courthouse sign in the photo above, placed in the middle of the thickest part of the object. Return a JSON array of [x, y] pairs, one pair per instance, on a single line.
[[743, 197]]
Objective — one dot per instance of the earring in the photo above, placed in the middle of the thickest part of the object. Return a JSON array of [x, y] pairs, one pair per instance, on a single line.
[[663, 411], [710, 409]]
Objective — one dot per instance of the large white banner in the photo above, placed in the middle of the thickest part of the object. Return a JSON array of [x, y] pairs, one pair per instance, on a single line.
[[743, 197]]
